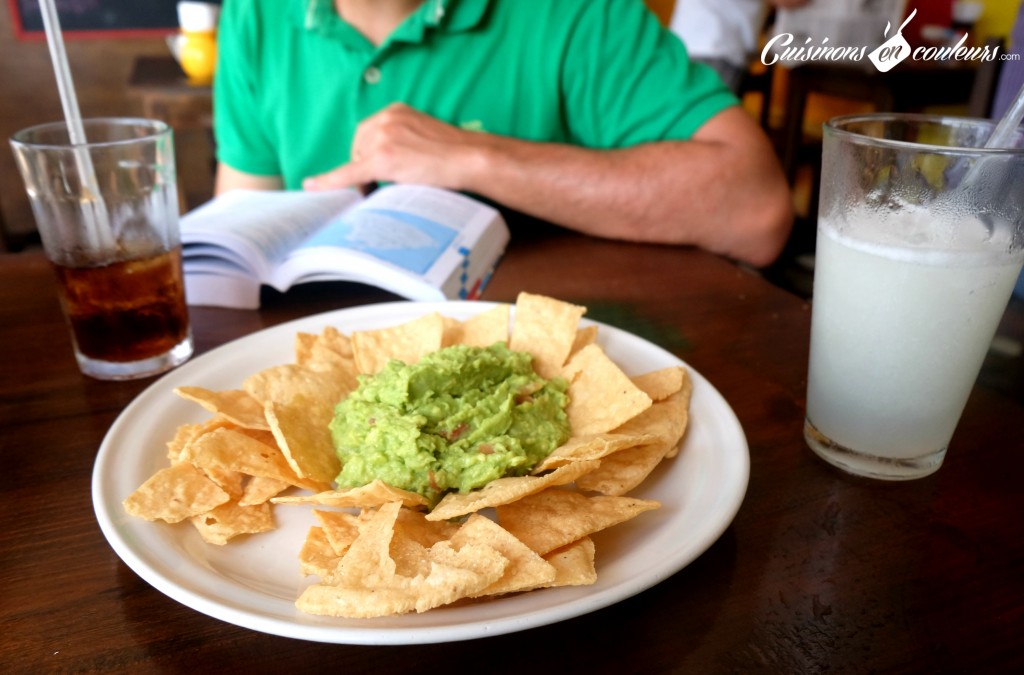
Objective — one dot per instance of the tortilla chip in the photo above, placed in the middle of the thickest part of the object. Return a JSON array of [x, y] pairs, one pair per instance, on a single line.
[[456, 574], [525, 570], [554, 518], [305, 441], [660, 384], [332, 351], [685, 395], [355, 602], [332, 339], [230, 481], [260, 489], [453, 575], [230, 520], [370, 495], [584, 336], [591, 447], [175, 493], [574, 564], [407, 342], [316, 555], [235, 451], [414, 526], [412, 559], [666, 420], [482, 330], [292, 384], [413, 536], [368, 563], [340, 529], [366, 580], [506, 490], [546, 328], [621, 472], [298, 403], [183, 435], [601, 396], [186, 433], [304, 347], [234, 405], [264, 436]]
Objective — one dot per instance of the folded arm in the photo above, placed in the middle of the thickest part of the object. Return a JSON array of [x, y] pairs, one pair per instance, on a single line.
[[232, 179], [722, 190]]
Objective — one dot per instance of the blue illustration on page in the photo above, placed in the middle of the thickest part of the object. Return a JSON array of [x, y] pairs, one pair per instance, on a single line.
[[403, 239]]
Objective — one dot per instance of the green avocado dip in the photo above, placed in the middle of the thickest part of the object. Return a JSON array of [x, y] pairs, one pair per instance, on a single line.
[[456, 420]]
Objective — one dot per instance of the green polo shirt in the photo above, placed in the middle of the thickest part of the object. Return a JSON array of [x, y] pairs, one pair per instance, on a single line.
[[294, 80]]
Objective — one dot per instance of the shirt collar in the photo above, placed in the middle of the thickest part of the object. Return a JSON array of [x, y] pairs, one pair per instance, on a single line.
[[319, 16]]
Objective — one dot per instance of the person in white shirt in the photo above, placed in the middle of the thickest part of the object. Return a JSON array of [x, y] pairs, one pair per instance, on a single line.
[[724, 33]]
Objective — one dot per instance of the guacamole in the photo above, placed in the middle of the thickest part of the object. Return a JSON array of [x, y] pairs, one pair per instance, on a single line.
[[456, 420]]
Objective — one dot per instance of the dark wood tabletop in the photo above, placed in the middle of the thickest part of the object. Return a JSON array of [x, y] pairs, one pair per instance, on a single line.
[[818, 572]]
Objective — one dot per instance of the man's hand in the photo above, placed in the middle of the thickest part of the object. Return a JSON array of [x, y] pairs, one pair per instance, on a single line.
[[401, 145]]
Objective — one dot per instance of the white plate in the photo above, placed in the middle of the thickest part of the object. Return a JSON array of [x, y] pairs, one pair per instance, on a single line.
[[253, 582]]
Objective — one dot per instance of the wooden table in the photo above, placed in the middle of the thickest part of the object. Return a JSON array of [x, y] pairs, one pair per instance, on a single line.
[[819, 571]]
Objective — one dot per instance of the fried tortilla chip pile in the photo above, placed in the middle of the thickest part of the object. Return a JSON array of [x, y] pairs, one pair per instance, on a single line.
[[383, 553]]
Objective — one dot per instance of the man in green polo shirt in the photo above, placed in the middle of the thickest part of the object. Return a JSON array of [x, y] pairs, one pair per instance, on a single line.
[[585, 113]]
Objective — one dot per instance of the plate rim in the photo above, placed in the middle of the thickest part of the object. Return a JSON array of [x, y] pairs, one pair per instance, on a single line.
[[318, 629]]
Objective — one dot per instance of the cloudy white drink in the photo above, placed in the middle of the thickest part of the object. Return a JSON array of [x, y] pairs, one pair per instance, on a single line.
[[904, 313]]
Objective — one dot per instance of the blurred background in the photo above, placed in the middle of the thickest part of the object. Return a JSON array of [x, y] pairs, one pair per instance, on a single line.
[[122, 65]]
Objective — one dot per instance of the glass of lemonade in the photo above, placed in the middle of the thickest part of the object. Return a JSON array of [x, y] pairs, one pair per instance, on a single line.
[[920, 242], [107, 213]]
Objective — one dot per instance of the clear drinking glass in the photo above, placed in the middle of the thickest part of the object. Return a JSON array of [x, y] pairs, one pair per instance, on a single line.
[[107, 213], [920, 242]]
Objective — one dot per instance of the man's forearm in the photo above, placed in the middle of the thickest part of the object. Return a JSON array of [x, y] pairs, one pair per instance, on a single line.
[[728, 199]]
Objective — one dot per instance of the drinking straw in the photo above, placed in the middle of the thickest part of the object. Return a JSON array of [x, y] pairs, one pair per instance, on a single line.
[[1000, 137], [93, 207]]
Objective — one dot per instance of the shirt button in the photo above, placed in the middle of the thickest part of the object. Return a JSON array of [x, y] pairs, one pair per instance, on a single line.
[[371, 75]]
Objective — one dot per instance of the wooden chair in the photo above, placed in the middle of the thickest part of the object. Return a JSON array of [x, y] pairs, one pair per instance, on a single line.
[[759, 82]]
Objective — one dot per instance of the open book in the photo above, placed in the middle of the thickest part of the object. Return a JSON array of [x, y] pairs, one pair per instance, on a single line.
[[421, 243]]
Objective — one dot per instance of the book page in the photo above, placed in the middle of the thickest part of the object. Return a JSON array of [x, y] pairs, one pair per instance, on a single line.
[[262, 226], [400, 238], [450, 209], [222, 290], [408, 226], [418, 242]]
